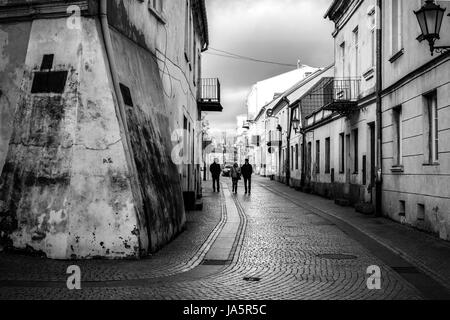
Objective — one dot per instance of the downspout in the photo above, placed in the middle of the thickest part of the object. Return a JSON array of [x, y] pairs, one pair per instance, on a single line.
[[121, 116], [379, 118], [303, 133], [303, 174], [290, 116]]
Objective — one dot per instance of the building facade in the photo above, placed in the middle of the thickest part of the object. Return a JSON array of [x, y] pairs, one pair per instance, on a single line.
[[416, 121], [374, 133], [340, 144], [100, 126]]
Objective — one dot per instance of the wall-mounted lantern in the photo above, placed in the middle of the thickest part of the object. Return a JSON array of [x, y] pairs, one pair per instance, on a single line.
[[430, 18]]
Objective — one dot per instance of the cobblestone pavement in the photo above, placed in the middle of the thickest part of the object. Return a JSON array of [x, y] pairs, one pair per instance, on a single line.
[[287, 250], [172, 259]]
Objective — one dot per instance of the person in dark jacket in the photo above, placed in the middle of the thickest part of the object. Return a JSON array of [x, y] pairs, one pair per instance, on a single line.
[[247, 171], [215, 173]]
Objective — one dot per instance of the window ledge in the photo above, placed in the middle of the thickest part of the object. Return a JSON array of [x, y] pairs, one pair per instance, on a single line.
[[158, 15], [398, 169], [397, 55], [369, 74], [434, 164]]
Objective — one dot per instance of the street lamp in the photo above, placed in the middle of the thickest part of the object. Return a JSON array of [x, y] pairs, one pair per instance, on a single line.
[[430, 21]]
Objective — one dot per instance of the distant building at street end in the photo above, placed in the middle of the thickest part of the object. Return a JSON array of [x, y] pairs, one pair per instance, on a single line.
[[267, 90]]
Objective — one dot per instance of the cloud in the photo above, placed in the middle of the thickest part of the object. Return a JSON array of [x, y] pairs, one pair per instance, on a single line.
[[276, 30]]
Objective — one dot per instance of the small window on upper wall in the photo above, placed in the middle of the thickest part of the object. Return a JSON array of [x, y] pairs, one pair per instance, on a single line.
[[126, 95], [156, 5]]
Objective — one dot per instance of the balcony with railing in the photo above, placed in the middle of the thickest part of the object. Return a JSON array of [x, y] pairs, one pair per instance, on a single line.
[[209, 97], [342, 95]]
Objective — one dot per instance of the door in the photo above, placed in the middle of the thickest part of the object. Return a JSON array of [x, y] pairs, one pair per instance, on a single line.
[[308, 163], [372, 164]]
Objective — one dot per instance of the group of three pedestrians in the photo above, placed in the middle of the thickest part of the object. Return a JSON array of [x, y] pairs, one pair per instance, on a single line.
[[236, 173]]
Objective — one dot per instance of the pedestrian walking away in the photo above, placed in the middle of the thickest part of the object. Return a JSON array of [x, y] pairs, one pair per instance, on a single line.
[[247, 171], [215, 173], [235, 174]]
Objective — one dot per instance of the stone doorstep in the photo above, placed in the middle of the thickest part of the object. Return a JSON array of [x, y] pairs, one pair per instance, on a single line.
[[199, 205], [342, 202], [365, 208]]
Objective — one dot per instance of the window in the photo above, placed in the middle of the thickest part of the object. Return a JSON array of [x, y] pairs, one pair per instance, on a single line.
[[402, 208], [327, 155], [126, 94], [47, 81], [341, 153], [356, 44], [396, 23], [156, 5], [318, 156], [348, 150], [355, 151], [373, 46], [187, 32], [420, 212], [433, 128], [47, 62], [194, 61], [342, 54], [296, 156], [397, 123], [185, 137], [292, 158]]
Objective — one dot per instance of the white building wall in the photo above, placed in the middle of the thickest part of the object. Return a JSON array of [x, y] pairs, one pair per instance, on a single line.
[[415, 191]]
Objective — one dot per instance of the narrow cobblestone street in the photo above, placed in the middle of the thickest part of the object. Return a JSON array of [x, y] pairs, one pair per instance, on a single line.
[[273, 244]]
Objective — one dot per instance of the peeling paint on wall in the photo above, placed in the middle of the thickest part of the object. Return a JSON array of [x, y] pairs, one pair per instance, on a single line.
[[66, 189]]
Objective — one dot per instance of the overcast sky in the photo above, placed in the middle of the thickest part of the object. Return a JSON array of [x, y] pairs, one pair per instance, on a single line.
[[276, 30]]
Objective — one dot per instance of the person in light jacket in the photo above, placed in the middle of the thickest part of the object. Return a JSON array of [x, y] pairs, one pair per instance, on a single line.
[[235, 174]]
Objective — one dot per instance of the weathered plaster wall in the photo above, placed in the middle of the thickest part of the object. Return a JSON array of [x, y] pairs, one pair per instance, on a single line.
[[166, 42], [13, 47], [149, 125], [66, 189]]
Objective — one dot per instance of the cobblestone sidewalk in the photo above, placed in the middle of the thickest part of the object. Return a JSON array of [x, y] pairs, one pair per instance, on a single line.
[[427, 252], [172, 259]]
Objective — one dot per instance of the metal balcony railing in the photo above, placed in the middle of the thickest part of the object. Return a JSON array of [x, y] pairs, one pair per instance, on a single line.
[[342, 95], [209, 99]]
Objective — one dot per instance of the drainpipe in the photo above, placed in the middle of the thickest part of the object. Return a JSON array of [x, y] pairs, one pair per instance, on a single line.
[[120, 110], [303, 174], [290, 116], [379, 88]]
